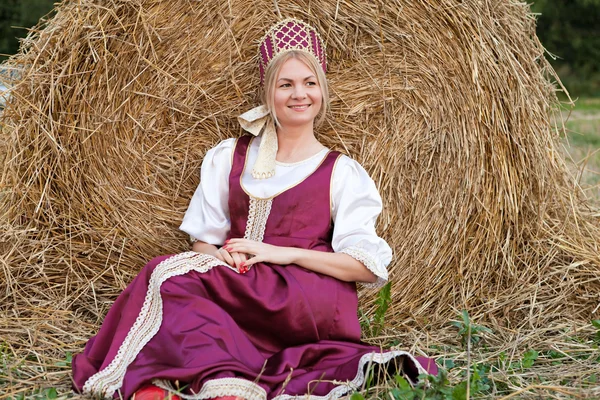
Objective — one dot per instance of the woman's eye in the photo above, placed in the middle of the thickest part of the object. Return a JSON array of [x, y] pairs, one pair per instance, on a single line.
[[311, 83], [285, 85]]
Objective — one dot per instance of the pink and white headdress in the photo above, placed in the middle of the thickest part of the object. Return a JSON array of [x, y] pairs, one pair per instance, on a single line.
[[287, 35]]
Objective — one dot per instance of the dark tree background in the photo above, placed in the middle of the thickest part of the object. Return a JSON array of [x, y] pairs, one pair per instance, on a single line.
[[16, 16], [569, 29]]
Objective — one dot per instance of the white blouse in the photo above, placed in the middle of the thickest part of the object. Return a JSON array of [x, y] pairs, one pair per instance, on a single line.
[[355, 202]]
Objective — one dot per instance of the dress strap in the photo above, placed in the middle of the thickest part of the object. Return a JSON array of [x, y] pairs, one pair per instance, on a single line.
[[331, 160], [239, 156]]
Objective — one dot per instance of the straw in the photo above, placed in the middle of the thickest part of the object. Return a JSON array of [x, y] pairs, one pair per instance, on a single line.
[[449, 105]]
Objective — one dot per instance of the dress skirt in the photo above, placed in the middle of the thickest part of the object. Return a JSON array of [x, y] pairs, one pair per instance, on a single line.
[[189, 323]]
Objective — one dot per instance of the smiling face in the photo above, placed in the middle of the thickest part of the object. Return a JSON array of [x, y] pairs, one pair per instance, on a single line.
[[297, 95]]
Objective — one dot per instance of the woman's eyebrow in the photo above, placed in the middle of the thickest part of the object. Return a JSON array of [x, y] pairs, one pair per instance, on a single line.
[[291, 80]]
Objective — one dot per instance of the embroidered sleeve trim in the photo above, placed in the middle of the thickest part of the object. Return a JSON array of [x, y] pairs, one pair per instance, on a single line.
[[258, 214], [109, 379], [371, 263]]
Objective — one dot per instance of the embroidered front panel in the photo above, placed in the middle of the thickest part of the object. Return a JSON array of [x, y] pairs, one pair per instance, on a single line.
[[108, 380], [371, 263], [258, 214]]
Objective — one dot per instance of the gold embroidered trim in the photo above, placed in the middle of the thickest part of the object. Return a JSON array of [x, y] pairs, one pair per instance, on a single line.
[[258, 214], [218, 388], [344, 387], [108, 380], [371, 263]]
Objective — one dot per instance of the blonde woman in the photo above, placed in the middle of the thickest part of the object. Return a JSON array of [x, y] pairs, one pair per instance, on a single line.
[[265, 306]]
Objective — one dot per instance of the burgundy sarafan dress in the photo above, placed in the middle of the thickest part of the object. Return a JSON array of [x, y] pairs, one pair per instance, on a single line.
[[188, 322]]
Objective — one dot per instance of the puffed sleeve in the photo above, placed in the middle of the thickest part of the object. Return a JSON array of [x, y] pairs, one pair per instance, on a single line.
[[356, 204], [207, 217]]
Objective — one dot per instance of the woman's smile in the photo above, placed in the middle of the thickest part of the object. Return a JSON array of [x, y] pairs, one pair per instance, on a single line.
[[300, 107]]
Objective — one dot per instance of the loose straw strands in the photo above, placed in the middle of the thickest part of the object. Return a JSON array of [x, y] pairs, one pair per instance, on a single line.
[[449, 106]]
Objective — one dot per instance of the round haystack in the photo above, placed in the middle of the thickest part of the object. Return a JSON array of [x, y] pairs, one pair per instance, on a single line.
[[448, 104]]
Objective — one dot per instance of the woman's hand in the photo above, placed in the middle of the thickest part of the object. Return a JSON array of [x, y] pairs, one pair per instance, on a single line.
[[233, 258], [338, 265], [262, 252]]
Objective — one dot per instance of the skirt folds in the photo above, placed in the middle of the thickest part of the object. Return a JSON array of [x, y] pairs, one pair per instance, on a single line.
[[189, 323]]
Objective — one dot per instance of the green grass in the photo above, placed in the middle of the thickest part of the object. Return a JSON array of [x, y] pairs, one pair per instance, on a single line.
[[588, 104], [582, 141], [481, 364], [475, 361]]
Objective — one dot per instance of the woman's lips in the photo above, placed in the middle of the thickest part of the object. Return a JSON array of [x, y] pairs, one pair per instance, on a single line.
[[300, 107]]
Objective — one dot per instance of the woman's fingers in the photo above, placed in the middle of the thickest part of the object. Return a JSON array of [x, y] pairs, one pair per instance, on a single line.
[[226, 256], [238, 259], [243, 246], [252, 261], [219, 256], [260, 252]]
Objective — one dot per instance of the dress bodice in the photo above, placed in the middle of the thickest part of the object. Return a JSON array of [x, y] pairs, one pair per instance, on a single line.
[[299, 216], [327, 202]]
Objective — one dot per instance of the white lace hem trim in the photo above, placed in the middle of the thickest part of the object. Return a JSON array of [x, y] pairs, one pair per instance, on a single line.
[[357, 382], [371, 263], [219, 387], [109, 379], [251, 391]]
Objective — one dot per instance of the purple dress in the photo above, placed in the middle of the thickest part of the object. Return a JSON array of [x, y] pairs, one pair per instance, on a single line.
[[189, 322]]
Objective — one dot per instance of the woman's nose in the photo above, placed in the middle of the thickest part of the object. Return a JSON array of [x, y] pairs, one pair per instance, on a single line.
[[299, 92]]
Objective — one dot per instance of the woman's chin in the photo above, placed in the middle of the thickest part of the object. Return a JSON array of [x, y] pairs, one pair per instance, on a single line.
[[297, 121]]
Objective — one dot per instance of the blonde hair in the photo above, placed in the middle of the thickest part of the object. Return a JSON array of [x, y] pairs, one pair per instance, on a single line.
[[272, 72]]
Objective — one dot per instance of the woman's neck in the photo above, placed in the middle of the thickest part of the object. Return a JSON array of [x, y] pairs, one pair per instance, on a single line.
[[296, 143]]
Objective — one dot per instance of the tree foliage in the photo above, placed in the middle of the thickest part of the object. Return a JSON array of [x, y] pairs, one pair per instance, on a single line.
[[570, 30], [16, 17]]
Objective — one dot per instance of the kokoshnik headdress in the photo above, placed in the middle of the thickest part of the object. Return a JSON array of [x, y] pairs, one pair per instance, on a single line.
[[287, 35]]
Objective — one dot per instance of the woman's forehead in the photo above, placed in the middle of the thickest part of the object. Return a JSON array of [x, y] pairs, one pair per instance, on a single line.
[[295, 68]]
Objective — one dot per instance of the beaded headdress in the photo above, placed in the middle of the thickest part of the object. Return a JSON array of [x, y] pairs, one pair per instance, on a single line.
[[285, 36]]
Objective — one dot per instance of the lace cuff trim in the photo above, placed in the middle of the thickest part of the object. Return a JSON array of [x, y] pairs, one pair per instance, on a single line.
[[218, 388], [109, 379], [369, 261]]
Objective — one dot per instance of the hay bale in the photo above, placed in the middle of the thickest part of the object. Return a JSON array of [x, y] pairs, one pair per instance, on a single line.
[[447, 104]]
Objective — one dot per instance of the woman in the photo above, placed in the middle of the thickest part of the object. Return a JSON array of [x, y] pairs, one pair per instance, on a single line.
[[265, 306]]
